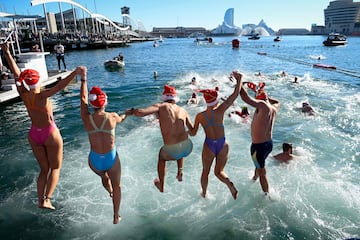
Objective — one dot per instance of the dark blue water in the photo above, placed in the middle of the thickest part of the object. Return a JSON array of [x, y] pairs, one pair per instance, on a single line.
[[316, 196]]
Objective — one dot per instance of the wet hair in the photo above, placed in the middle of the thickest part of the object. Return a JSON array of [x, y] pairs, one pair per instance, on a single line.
[[286, 146]]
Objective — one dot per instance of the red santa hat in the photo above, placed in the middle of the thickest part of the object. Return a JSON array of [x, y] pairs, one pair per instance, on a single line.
[[169, 94], [259, 90], [97, 97], [31, 78], [261, 95], [211, 97]]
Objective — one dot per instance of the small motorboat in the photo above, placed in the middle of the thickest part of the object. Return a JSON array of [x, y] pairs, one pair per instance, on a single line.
[[114, 64], [335, 39], [254, 36], [319, 65]]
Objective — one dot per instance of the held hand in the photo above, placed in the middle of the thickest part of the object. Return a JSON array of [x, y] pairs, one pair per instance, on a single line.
[[129, 111], [237, 75], [81, 70], [5, 47]]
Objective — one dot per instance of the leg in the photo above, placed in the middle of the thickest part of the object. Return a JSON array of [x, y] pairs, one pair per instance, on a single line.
[[58, 61], [40, 155], [115, 176], [180, 165], [159, 182], [255, 177], [207, 159], [263, 179], [54, 149], [63, 60], [221, 160], [105, 179]]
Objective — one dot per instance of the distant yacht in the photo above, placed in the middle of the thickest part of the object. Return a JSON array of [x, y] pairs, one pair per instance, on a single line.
[[227, 28]]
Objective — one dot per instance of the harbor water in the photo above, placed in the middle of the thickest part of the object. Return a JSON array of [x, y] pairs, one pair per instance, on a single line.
[[315, 196]]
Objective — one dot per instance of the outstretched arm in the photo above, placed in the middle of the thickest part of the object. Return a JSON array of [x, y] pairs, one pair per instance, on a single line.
[[141, 112], [247, 99], [230, 100], [84, 105], [13, 66], [10, 60], [189, 123], [64, 82], [193, 130]]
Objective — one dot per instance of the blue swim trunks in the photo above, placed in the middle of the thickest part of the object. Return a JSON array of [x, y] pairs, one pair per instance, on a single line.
[[102, 162], [179, 150], [259, 152]]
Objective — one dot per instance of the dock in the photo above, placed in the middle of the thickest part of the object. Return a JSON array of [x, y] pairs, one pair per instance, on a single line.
[[9, 94]]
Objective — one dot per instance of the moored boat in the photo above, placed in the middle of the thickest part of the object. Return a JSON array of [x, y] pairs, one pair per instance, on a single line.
[[335, 39]]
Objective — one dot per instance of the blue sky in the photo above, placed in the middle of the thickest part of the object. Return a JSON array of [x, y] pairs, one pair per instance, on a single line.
[[193, 13]]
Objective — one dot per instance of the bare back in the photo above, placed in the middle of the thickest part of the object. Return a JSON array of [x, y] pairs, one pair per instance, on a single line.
[[101, 142], [172, 120], [39, 108], [263, 122]]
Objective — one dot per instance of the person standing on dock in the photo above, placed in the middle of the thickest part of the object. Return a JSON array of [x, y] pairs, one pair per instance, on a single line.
[[44, 136], [60, 55]]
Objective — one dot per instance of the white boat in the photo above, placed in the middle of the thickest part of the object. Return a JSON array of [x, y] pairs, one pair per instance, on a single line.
[[114, 64], [335, 39]]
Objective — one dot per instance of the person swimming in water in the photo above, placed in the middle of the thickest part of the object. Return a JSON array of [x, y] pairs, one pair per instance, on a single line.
[[286, 155], [215, 145]]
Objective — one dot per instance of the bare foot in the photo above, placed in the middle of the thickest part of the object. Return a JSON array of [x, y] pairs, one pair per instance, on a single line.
[[107, 185], [233, 190], [157, 184], [203, 194], [47, 204], [179, 176], [117, 219], [267, 196], [254, 178]]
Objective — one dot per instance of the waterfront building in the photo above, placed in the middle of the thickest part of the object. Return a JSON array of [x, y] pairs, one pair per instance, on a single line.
[[317, 29], [342, 16], [227, 28], [293, 31], [178, 32]]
